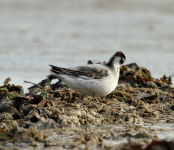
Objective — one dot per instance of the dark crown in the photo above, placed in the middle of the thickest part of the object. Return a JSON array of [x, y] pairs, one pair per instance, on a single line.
[[120, 54], [117, 54]]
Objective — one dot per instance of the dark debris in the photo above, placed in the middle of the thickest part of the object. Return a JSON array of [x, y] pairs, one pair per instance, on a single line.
[[139, 98]]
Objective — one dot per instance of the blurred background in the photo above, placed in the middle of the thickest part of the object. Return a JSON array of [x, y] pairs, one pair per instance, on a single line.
[[36, 33]]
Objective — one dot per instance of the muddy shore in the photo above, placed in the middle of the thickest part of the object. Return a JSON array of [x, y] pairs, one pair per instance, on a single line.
[[53, 116]]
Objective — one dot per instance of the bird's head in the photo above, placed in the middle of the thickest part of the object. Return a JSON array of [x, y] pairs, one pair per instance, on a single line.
[[117, 59]]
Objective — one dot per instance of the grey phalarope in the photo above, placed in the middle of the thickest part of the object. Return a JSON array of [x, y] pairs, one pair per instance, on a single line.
[[93, 79]]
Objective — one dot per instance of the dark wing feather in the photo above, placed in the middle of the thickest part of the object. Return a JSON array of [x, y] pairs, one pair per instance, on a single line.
[[81, 71], [96, 72]]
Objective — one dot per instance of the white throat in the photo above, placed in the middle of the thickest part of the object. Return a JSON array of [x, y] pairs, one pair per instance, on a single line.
[[116, 62]]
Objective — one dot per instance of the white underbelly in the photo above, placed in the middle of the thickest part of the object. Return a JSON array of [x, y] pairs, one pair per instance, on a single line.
[[99, 88]]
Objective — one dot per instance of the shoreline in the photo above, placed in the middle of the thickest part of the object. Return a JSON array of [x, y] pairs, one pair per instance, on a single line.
[[139, 112]]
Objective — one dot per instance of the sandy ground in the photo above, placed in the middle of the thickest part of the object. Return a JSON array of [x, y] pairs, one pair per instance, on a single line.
[[138, 114]]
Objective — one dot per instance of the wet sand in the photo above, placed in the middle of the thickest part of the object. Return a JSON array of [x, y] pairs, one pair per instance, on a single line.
[[137, 114]]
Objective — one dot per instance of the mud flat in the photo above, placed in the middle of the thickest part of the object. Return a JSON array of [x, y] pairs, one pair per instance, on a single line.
[[138, 114]]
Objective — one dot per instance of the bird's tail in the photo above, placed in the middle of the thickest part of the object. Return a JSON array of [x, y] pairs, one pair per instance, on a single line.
[[57, 70]]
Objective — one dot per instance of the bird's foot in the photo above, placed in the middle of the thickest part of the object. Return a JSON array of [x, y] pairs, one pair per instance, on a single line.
[[96, 99]]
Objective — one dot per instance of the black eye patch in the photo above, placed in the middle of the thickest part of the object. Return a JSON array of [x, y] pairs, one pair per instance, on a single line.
[[121, 60]]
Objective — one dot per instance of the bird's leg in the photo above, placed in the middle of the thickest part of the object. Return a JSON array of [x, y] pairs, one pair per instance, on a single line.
[[95, 97]]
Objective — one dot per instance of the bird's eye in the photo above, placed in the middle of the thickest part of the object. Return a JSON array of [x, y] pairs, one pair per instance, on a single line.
[[122, 61]]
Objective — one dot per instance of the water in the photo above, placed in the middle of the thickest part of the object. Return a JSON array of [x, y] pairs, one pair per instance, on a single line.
[[34, 34], [164, 131]]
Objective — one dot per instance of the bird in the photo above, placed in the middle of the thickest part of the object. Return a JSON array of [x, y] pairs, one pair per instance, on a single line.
[[95, 80]]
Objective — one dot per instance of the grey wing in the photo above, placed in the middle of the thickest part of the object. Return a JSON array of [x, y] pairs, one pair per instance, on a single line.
[[85, 72], [94, 71]]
